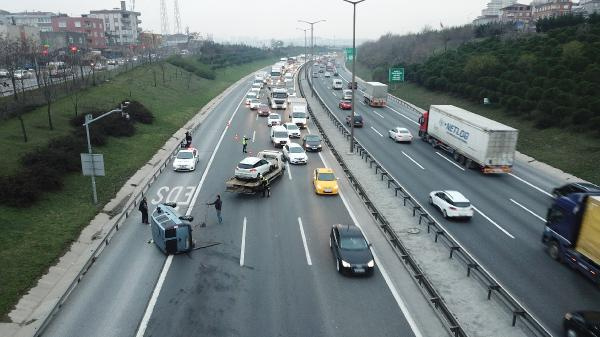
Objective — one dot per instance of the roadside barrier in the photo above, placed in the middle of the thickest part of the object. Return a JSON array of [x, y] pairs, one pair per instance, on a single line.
[[456, 251]]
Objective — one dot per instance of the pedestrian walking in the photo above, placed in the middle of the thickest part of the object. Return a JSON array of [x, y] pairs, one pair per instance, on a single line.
[[244, 144], [218, 204], [144, 209], [266, 189]]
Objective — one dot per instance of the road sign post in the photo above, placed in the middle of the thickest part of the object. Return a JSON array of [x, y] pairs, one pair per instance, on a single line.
[[350, 52], [396, 75]]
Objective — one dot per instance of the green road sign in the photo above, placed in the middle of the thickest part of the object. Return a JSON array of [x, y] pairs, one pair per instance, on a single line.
[[350, 54], [396, 75]]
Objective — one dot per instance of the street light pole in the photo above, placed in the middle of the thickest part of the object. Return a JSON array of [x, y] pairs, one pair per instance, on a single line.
[[354, 3], [305, 51], [312, 41]]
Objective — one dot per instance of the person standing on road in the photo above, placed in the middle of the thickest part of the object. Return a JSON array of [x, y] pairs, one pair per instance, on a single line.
[[218, 203], [244, 144], [144, 209], [188, 138], [266, 189]]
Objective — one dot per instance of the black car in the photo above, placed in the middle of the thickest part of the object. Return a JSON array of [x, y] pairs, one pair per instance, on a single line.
[[582, 324], [579, 187], [358, 120], [311, 143], [351, 251]]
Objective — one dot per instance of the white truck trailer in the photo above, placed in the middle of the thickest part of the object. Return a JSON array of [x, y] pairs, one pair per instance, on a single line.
[[298, 111], [375, 93], [473, 140]]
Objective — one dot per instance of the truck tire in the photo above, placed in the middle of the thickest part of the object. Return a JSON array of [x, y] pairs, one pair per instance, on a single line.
[[554, 250]]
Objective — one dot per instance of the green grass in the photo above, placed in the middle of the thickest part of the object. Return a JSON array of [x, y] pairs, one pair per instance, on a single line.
[[572, 152], [35, 237]]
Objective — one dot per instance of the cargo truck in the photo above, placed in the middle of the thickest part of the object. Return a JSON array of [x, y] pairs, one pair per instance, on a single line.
[[473, 140], [375, 94], [298, 111], [572, 233], [278, 98]]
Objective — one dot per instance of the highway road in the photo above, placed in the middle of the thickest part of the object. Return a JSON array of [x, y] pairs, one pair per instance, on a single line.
[[505, 233], [269, 273]]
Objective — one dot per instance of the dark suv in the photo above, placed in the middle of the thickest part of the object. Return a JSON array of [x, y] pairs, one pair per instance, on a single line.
[[582, 324], [358, 120], [580, 187]]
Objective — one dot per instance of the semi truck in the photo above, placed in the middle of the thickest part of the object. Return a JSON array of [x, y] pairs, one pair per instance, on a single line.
[[375, 93], [473, 140], [572, 233], [278, 98], [298, 111], [276, 160]]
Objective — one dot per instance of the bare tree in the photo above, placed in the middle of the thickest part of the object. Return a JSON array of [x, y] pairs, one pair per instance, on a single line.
[[10, 51]]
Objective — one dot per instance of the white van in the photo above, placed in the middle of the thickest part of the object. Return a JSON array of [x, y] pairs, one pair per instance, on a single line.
[[250, 96], [279, 136], [337, 84], [347, 94]]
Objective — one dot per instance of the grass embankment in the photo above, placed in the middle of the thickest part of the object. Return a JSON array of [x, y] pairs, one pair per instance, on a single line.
[[35, 237], [575, 153]]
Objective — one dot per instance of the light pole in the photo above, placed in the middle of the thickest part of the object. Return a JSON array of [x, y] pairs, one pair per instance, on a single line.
[[305, 51], [312, 41], [354, 3]]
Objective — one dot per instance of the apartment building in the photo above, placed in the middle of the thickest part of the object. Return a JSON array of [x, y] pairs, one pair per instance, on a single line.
[[93, 28], [122, 27]]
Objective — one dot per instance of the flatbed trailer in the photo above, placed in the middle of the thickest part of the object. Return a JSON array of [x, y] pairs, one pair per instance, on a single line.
[[242, 186]]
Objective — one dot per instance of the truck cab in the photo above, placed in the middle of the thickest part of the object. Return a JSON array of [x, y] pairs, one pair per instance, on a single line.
[[423, 124]]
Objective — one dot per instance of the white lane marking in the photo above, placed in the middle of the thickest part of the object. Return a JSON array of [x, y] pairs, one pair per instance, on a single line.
[[154, 297], [414, 161], [253, 135], [287, 166], [256, 116], [150, 308], [363, 103], [494, 223], [528, 210], [372, 128], [308, 260], [243, 250], [450, 161], [377, 113], [403, 115], [307, 129], [530, 184]]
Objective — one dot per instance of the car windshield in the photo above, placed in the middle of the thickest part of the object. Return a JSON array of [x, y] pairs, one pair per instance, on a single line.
[[326, 177], [296, 149], [462, 204], [280, 134], [299, 115], [280, 95], [292, 127], [353, 243], [185, 155], [251, 95], [274, 117]]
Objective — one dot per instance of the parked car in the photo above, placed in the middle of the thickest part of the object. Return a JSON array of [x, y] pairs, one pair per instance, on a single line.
[[358, 120], [582, 324], [186, 160], [294, 153], [251, 167], [399, 134], [577, 187], [312, 142], [345, 104], [351, 251], [452, 204]]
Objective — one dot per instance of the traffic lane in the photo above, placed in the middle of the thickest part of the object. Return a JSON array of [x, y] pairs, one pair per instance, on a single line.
[[106, 292]]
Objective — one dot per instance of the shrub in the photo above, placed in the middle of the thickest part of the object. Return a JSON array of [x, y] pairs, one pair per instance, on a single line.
[[18, 191], [139, 113], [46, 178]]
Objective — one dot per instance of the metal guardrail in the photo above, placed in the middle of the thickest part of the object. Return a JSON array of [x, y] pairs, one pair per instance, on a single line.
[[474, 268]]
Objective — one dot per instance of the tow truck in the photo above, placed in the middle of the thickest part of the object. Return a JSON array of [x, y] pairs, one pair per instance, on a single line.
[[276, 159]]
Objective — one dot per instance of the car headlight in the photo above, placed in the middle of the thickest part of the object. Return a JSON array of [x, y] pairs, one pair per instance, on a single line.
[[345, 264], [371, 264]]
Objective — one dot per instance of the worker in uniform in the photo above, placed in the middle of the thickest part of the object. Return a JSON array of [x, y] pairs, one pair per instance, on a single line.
[[244, 144], [266, 189]]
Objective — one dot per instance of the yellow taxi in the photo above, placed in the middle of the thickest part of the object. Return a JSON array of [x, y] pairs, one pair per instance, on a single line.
[[324, 181]]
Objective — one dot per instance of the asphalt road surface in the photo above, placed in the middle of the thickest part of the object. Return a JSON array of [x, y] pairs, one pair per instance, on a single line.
[[269, 271], [505, 233]]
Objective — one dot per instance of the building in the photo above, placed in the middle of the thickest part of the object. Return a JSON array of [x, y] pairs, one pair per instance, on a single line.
[[41, 20], [120, 25], [93, 28], [492, 11], [517, 13], [550, 8], [149, 40], [24, 33], [590, 6], [61, 41]]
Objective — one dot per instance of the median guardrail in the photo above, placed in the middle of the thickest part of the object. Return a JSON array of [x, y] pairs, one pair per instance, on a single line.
[[456, 251]]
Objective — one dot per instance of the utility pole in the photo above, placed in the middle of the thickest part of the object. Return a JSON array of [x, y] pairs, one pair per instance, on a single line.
[[312, 42]]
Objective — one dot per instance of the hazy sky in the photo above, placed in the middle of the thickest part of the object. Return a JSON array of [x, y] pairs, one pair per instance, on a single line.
[[265, 19]]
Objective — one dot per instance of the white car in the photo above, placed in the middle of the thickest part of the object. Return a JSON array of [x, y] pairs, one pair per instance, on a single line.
[[3, 73], [399, 134], [292, 129], [294, 153], [20, 74], [327, 74], [254, 104], [273, 119], [292, 93], [186, 160], [256, 90], [452, 204], [250, 96], [251, 167], [279, 136], [257, 84]]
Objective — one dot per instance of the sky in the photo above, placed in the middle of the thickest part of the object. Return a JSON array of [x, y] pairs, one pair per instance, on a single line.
[[266, 19]]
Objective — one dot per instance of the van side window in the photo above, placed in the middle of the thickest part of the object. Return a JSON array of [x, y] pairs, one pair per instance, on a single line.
[[555, 215]]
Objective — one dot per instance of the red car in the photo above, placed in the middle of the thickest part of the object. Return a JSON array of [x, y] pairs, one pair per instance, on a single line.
[[263, 110], [345, 105]]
